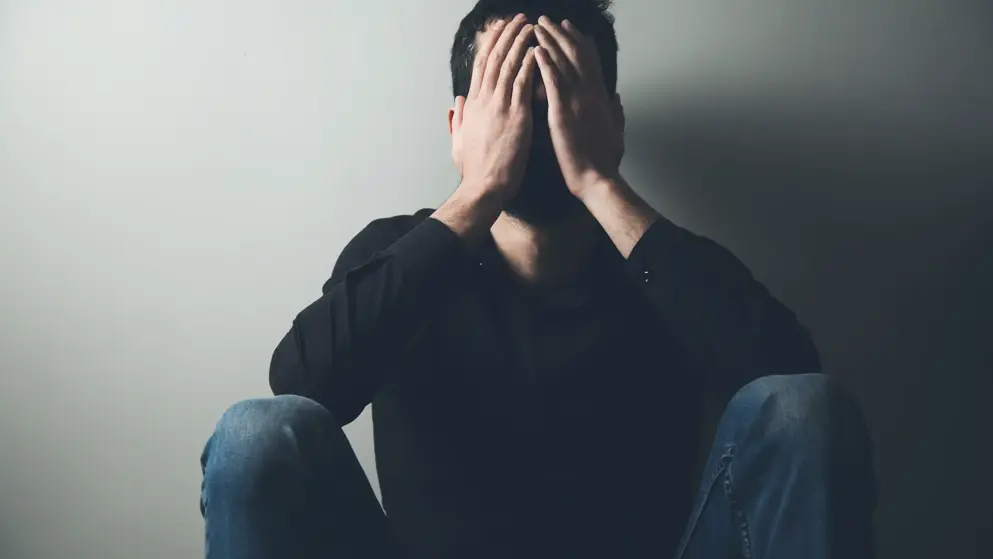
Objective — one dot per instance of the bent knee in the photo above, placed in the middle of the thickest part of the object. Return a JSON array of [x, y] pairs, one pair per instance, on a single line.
[[802, 405], [253, 434], [263, 418]]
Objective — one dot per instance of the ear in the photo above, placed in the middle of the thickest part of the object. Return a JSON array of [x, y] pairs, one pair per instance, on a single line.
[[455, 115], [454, 124], [618, 111]]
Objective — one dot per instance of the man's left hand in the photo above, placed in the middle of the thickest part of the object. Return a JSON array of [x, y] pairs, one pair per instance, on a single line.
[[586, 125]]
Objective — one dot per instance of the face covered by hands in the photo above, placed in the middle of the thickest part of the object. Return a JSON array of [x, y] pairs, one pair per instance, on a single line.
[[543, 197], [576, 136]]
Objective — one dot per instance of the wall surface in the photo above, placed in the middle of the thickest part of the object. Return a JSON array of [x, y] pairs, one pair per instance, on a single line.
[[177, 178]]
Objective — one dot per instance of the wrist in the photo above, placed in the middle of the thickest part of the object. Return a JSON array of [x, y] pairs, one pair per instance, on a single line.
[[482, 192], [599, 187], [470, 211], [611, 197], [622, 213]]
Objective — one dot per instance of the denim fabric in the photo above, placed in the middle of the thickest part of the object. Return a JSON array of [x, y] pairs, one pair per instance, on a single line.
[[789, 475], [280, 480]]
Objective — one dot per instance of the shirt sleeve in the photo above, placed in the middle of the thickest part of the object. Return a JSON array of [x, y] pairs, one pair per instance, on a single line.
[[727, 321], [383, 286]]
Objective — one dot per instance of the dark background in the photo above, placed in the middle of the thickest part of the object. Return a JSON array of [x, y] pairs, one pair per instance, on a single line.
[[855, 178]]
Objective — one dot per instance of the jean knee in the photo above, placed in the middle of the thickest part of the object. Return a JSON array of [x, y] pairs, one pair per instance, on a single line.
[[811, 407], [254, 435]]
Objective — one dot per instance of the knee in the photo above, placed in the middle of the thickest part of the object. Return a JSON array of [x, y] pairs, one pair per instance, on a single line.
[[807, 408], [255, 438]]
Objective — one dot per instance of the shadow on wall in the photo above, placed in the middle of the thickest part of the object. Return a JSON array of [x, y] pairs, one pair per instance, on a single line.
[[876, 227]]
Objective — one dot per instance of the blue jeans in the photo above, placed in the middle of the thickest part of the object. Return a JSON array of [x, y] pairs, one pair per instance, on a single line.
[[789, 475]]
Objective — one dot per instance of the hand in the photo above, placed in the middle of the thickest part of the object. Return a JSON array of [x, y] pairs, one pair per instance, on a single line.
[[586, 127], [491, 126]]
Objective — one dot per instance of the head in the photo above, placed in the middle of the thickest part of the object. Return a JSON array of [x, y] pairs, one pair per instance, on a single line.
[[544, 197]]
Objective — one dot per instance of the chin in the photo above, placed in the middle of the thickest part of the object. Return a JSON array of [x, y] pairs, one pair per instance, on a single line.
[[546, 202], [544, 198]]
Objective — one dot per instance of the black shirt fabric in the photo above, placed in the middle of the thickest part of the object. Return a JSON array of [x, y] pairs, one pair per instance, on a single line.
[[509, 423]]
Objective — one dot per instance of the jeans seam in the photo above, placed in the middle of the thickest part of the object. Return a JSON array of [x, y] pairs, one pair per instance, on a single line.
[[722, 466], [738, 513]]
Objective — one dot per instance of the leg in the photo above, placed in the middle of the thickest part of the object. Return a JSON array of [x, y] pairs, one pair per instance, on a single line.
[[281, 481], [789, 475]]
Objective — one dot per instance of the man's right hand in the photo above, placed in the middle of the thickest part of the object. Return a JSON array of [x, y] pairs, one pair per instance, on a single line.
[[491, 129]]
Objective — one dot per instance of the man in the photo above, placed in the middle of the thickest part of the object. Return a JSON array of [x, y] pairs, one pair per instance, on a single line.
[[537, 351]]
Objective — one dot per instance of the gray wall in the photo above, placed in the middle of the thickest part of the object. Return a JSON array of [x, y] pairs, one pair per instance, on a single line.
[[178, 177]]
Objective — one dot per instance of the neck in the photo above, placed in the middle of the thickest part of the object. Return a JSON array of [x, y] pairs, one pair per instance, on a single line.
[[547, 256]]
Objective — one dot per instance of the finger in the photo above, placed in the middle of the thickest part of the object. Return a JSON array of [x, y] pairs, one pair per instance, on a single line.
[[563, 40], [550, 76], [524, 82], [500, 50], [569, 28], [483, 54], [515, 58], [589, 58], [554, 53]]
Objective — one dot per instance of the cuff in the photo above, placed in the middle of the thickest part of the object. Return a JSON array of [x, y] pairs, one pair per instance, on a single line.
[[658, 250], [429, 244]]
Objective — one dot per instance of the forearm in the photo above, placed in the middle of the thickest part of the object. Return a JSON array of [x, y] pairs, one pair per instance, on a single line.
[[623, 214], [339, 346], [707, 298], [384, 288], [470, 212]]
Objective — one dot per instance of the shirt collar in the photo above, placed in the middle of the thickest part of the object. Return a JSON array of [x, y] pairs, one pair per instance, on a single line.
[[606, 262]]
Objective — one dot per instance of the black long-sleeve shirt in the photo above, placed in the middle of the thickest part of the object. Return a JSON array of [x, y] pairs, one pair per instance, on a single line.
[[514, 424]]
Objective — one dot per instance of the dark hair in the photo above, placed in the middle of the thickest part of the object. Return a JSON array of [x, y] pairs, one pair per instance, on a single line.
[[591, 17]]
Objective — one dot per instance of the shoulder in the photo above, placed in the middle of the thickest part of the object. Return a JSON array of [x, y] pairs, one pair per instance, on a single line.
[[391, 228], [377, 236]]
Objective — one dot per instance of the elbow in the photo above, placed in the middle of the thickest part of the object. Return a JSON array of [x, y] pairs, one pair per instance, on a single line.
[[805, 358], [796, 353], [288, 370], [810, 355], [288, 376], [345, 413], [785, 344], [284, 375]]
